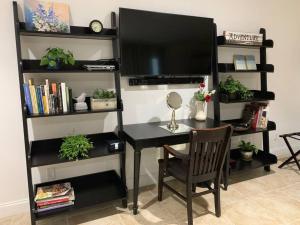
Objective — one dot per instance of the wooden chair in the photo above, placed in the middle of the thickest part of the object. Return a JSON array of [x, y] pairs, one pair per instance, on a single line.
[[204, 163]]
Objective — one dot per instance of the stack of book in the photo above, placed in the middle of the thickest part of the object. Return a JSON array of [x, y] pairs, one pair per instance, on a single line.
[[260, 119], [54, 98], [56, 196]]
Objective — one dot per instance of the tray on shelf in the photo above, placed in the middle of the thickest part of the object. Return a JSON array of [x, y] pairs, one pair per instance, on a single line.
[[33, 66], [229, 68], [271, 126], [257, 97], [90, 190], [260, 159], [76, 32], [45, 152]]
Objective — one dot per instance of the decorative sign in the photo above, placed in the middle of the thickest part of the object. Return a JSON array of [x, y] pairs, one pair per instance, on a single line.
[[243, 38], [47, 16]]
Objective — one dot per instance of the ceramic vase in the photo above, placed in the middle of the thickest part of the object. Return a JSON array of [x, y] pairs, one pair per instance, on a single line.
[[201, 113]]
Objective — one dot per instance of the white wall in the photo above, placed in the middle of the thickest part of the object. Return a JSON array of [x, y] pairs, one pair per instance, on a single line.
[[141, 104]]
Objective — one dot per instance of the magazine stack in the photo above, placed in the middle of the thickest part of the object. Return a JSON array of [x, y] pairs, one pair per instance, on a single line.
[[56, 196]]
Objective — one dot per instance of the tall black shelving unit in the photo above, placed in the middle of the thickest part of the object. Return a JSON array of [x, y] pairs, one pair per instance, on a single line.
[[92, 188], [264, 158]]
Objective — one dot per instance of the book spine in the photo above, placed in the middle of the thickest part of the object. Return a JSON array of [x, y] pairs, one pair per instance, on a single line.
[[55, 207], [33, 99], [259, 118], [70, 100], [44, 99], [64, 97], [28, 98], [51, 202], [40, 100], [46, 88], [67, 98], [254, 121], [59, 99]]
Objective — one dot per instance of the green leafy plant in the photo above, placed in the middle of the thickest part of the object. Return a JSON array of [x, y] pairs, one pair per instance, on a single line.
[[232, 86], [55, 56], [248, 147], [103, 94], [75, 147]]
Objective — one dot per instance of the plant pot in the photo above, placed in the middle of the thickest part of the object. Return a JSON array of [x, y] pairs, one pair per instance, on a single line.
[[201, 113], [103, 104], [232, 96], [56, 67], [246, 156]]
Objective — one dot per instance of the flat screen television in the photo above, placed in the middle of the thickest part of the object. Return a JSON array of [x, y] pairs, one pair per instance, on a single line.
[[159, 44]]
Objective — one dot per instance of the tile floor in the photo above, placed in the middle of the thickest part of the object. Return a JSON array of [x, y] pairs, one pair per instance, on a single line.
[[254, 198]]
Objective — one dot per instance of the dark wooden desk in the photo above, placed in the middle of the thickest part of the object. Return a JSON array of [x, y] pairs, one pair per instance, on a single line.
[[145, 135]]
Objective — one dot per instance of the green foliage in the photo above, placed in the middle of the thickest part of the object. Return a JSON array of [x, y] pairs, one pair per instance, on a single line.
[[248, 147], [103, 94], [75, 147], [55, 55], [231, 86]]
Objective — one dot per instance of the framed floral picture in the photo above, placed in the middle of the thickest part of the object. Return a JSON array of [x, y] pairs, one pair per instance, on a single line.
[[47, 16]]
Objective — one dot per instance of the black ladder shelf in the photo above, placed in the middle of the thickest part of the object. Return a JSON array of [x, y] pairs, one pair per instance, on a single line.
[[264, 158], [92, 188]]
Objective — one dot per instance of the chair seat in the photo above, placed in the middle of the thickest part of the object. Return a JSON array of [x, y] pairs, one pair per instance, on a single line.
[[176, 168]]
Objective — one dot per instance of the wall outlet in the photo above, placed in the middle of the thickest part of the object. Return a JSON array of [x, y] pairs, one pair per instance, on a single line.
[[51, 173]]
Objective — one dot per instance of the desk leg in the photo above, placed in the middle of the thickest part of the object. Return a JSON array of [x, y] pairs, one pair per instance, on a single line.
[[137, 160]]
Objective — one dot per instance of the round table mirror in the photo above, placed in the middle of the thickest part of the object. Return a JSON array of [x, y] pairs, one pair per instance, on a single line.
[[174, 101]]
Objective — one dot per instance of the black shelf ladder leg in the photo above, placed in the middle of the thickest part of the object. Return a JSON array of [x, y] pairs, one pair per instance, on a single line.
[[23, 109], [120, 104], [264, 87]]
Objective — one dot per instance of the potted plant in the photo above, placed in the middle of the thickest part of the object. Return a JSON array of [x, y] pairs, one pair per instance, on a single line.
[[75, 147], [202, 97], [103, 99], [247, 149], [55, 57], [233, 89]]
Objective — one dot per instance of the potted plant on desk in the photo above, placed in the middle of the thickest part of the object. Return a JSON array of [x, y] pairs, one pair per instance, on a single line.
[[103, 99], [247, 149], [202, 97]]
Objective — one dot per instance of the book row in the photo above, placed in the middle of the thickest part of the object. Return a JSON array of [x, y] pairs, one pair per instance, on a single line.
[[54, 98]]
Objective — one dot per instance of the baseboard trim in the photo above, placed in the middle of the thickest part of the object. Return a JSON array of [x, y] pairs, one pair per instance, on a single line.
[[14, 207]]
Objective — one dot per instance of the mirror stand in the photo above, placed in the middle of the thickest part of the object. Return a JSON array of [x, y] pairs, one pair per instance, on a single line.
[[173, 125]]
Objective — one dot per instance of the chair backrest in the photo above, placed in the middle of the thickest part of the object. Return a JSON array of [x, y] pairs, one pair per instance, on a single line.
[[208, 149]]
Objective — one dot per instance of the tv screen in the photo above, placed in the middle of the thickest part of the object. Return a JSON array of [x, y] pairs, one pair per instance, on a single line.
[[157, 44]]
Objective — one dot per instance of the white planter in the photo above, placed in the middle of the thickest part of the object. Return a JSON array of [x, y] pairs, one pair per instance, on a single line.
[[246, 156], [102, 104], [201, 113]]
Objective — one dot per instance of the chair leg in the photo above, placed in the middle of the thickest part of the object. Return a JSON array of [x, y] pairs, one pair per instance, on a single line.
[[217, 199], [194, 187], [160, 182], [189, 203]]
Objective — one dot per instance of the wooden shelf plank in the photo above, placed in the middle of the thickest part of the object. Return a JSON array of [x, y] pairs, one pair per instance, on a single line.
[[258, 96], [74, 113], [260, 159], [33, 66], [45, 152], [229, 68], [76, 32], [222, 43], [271, 126]]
